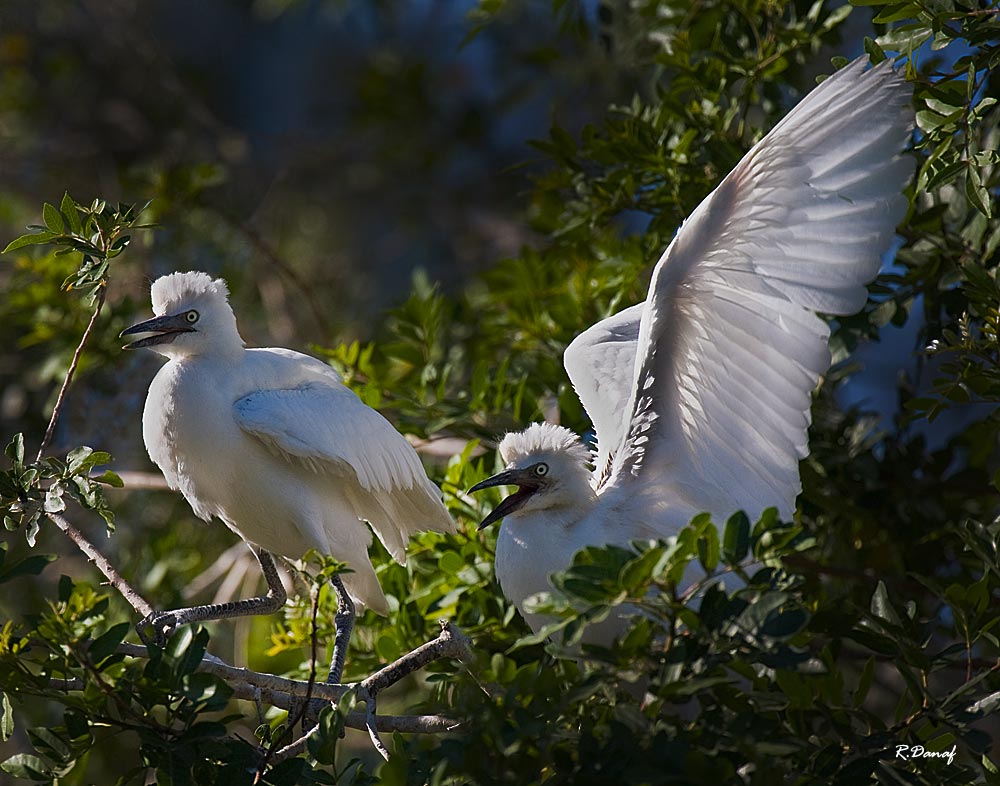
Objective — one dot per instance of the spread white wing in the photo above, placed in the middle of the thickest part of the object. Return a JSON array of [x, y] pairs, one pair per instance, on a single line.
[[601, 363], [328, 428], [730, 347]]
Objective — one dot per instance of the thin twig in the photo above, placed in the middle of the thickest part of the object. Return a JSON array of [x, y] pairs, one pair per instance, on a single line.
[[114, 577], [451, 643], [303, 704], [69, 375]]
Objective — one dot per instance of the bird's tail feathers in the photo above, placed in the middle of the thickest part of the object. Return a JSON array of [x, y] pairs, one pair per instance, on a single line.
[[404, 512], [363, 587]]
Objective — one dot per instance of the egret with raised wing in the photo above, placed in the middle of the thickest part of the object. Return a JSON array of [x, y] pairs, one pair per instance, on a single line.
[[272, 443], [700, 395]]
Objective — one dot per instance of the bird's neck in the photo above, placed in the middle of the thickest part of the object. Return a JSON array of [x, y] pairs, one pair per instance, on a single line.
[[219, 354]]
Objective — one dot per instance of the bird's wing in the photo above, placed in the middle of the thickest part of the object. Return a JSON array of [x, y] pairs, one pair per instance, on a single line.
[[600, 363], [730, 347], [326, 427]]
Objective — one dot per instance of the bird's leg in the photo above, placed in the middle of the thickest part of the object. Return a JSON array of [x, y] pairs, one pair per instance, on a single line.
[[159, 625], [343, 624]]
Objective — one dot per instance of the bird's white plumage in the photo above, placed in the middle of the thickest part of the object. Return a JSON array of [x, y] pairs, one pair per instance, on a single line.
[[729, 345], [272, 443], [700, 395], [600, 363]]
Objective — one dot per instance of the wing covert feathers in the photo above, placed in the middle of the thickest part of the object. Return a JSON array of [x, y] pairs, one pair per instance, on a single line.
[[328, 429]]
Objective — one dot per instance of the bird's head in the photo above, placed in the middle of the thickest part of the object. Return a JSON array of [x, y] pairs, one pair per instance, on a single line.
[[193, 317], [548, 464]]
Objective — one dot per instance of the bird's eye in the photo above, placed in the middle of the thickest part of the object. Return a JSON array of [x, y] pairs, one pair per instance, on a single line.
[[191, 317], [541, 470]]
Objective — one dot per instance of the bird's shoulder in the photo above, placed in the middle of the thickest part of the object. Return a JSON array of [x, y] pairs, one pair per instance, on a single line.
[[278, 368]]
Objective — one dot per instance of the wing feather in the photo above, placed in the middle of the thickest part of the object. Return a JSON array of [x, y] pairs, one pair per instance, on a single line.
[[600, 363], [325, 426], [729, 344]]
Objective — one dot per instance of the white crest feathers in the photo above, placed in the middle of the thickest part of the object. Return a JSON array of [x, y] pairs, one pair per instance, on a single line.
[[542, 438], [176, 288]]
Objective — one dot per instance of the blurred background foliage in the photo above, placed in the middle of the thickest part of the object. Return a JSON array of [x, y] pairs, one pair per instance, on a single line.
[[436, 197]]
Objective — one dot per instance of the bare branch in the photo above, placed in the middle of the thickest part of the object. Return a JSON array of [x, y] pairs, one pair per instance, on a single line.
[[277, 691], [451, 643], [114, 577], [50, 430]]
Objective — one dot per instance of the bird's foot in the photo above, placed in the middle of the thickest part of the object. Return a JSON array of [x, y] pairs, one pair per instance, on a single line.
[[156, 628], [310, 713]]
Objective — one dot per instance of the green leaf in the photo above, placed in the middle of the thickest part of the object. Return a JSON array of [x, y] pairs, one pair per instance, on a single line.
[[68, 209], [977, 193], [33, 239], [50, 744], [54, 502], [26, 766], [105, 644], [864, 682], [109, 478], [76, 458], [6, 720], [881, 607], [784, 623], [736, 538], [875, 52], [897, 12], [29, 566], [451, 563], [53, 219], [15, 450], [708, 548]]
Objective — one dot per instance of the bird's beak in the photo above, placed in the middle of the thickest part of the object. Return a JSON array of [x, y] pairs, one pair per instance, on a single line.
[[526, 481], [164, 330]]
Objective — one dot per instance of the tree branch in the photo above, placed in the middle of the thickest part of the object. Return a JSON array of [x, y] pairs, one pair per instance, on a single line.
[[114, 577], [50, 430], [285, 693], [450, 643]]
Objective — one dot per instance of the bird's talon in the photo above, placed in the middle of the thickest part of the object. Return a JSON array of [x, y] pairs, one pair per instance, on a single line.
[[155, 628]]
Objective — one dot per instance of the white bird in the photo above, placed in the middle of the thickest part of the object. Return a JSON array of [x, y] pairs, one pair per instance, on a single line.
[[273, 444], [700, 396]]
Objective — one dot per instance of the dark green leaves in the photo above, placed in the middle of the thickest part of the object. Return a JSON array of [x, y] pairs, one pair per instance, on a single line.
[[29, 566], [736, 538], [27, 491], [99, 232]]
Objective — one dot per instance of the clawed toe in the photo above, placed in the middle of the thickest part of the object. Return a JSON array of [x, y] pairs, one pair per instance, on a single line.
[[156, 628]]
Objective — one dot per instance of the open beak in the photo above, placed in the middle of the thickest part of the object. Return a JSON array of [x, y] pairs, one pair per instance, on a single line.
[[527, 484], [164, 330]]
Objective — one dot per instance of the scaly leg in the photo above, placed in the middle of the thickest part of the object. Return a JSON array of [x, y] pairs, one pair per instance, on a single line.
[[159, 625], [343, 624]]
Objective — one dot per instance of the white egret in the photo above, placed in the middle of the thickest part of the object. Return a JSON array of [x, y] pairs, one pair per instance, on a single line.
[[700, 395], [273, 444]]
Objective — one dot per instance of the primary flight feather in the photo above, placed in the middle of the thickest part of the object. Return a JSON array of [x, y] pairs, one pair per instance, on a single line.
[[700, 395]]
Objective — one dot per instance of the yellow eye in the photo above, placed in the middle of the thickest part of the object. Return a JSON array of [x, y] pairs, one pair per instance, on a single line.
[[191, 317]]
